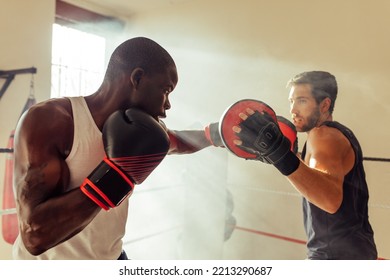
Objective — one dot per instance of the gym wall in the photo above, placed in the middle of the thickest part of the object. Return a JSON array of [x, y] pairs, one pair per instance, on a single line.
[[25, 30], [226, 51]]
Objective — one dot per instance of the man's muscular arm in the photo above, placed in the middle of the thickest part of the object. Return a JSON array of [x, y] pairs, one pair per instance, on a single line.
[[191, 141], [187, 141], [47, 215], [328, 159]]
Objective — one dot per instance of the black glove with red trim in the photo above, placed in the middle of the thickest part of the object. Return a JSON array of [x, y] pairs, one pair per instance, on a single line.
[[135, 144], [260, 135]]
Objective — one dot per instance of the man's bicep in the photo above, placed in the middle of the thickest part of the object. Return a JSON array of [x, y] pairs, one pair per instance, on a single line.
[[39, 167], [40, 179]]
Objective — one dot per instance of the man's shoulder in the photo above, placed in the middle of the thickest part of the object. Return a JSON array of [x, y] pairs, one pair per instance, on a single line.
[[329, 132], [335, 124], [50, 110], [340, 127], [46, 116]]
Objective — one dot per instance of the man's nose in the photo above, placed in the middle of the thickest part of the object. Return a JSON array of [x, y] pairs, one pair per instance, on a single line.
[[167, 104], [293, 109]]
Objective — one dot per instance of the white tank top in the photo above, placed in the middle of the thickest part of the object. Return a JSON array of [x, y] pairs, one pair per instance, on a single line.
[[102, 238]]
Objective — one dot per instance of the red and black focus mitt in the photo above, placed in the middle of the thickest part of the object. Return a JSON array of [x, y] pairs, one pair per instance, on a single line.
[[260, 136]]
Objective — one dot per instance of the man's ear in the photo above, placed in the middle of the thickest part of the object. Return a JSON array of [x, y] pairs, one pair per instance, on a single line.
[[325, 104], [136, 76]]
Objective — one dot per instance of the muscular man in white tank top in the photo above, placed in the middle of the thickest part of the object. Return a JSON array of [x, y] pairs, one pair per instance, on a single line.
[[58, 143]]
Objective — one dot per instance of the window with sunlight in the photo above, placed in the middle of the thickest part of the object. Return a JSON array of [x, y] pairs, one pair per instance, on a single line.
[[78, 62]]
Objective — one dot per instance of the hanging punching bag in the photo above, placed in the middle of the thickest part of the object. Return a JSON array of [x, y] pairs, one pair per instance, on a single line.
[[9, 221]]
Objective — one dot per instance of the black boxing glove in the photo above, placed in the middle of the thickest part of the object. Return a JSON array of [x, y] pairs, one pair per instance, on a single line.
[[135, 144], [211, 132], [260, 135]]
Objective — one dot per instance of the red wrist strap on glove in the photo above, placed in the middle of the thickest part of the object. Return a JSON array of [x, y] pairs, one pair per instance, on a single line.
[[207, 134], [99, 185]]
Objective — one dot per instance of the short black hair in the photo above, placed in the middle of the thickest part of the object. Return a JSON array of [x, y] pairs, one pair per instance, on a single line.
[[323, 85], [138, 52]]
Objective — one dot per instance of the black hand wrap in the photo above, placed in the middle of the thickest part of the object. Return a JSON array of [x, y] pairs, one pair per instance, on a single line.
[[261, 136]]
